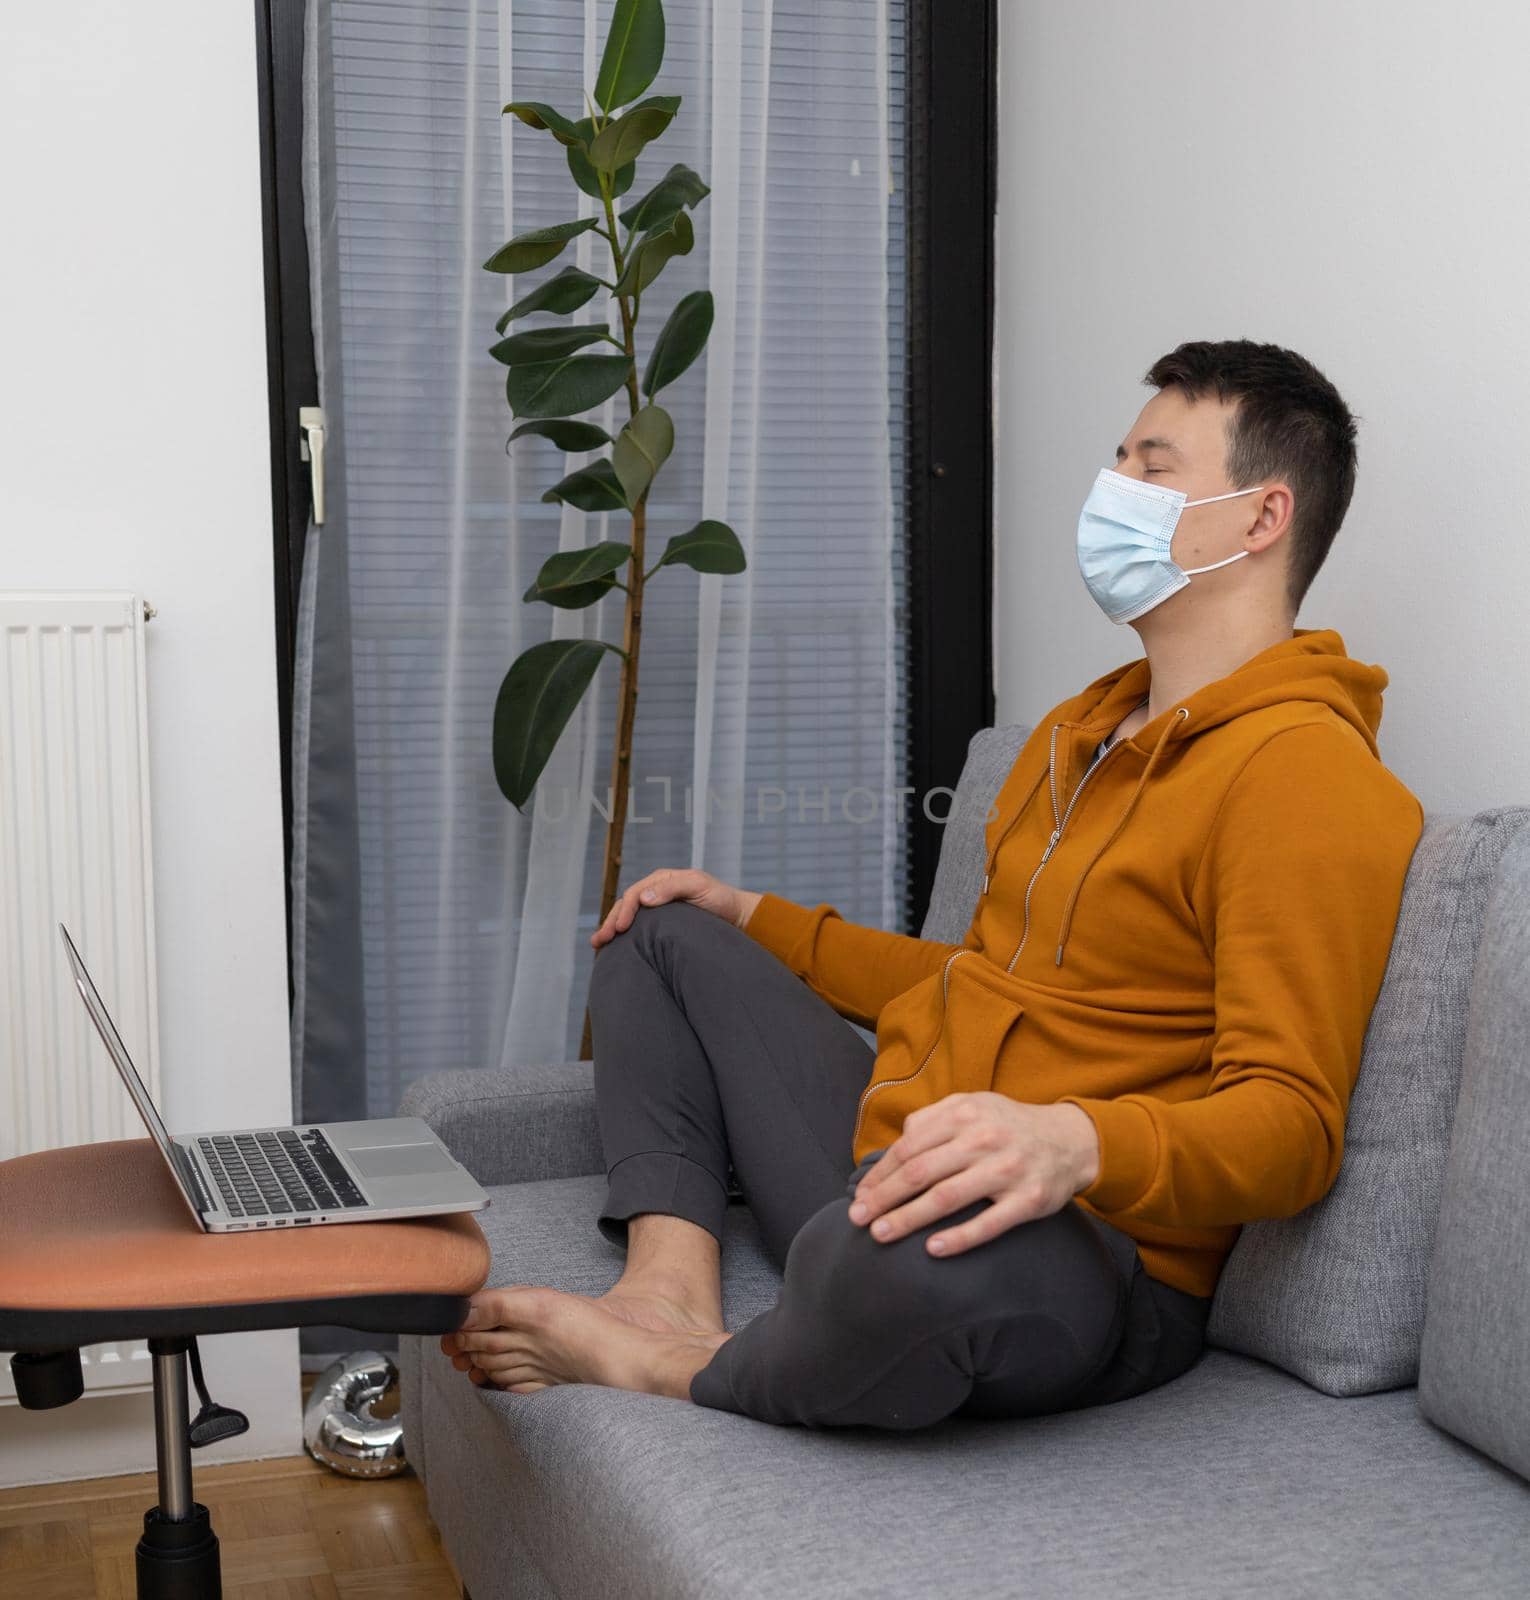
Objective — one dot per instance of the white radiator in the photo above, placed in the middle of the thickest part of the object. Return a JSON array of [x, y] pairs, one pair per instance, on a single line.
[[74, 848]]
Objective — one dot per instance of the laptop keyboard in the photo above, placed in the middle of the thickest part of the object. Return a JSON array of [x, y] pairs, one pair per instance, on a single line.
[[280, 1173]]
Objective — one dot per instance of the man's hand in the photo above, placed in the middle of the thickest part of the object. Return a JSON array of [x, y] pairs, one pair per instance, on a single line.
[[1030, 1160], [676, 883]]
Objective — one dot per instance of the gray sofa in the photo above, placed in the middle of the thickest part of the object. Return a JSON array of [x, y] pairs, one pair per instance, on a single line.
[[1359, 1423]]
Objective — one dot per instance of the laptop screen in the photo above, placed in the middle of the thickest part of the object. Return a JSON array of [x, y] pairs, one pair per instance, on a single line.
[[113, 1041]]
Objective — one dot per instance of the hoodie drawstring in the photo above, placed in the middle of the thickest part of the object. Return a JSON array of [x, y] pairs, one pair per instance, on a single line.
[[1014, 818], [1062, 939]]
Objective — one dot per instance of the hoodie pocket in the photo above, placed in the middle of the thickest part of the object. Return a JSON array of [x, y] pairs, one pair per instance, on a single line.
[[974, 1021]]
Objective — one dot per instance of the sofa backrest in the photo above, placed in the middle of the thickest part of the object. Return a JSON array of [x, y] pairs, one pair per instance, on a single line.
[[1474, 1366], [1334, 1295], [991, 753]]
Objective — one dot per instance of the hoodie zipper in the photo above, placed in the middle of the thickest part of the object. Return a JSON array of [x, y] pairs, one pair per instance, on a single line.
[[890, 1083], [993, 854], [1062, 822]]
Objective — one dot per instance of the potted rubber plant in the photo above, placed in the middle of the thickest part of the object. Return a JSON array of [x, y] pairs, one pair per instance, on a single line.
[[556, 372]]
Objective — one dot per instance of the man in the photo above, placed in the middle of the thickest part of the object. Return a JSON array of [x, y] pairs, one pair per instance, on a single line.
[[1147, 1037]]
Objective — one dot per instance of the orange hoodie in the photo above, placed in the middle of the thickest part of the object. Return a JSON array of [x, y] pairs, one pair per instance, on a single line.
[[1186, 944]]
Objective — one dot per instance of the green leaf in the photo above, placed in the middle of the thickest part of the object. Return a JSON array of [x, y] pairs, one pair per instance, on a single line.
[[539, 695], [563, 292], [592, 488], [564, 434], [539, 246], [651, 252], [634, 52], [708, 547], [680, 340], [575, 578], [680, 186], [536, 115], [565, 388], [586, 176], [620, 141], [547, 344], [641, 448]]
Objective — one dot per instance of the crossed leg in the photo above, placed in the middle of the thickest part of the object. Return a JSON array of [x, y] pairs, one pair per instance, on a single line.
[[707, 1051], [706, 1047]]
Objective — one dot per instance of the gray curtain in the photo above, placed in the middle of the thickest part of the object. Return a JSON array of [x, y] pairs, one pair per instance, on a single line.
[[329, 1044]]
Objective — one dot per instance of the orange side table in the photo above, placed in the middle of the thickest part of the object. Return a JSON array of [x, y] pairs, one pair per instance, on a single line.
[[96, 1244]]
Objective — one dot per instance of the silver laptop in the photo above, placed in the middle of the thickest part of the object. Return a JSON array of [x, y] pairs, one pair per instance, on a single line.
[[294, 1177]]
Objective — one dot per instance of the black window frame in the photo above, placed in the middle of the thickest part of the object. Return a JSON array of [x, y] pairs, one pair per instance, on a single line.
[[292, 373], [951, 166]]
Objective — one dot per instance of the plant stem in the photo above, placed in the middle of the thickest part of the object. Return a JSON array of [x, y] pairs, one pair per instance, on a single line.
[[632, 630]]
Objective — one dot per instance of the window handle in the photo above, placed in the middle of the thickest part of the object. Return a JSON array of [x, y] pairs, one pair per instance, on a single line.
[[311, 425]]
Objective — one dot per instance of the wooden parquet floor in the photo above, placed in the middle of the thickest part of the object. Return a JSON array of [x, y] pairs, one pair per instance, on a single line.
[[288, 1529]]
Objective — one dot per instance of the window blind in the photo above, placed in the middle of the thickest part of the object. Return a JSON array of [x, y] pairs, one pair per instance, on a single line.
[[801, 667]]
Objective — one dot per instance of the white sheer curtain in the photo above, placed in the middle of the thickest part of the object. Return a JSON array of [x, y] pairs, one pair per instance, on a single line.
[[434, 925]]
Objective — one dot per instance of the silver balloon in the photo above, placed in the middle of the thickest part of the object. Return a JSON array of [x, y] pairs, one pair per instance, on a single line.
[[338, 1426]]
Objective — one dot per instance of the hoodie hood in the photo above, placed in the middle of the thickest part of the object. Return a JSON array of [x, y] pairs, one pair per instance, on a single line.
[[1312, 666]]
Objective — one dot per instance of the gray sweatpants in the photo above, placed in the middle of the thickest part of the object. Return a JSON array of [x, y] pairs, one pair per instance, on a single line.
[[710, 1054]]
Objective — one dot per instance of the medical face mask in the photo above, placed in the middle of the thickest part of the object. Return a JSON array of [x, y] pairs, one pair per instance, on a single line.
[[1124, 534]]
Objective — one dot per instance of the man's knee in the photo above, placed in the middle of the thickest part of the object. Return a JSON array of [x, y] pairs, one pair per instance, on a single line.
[[1031, 1267], [867, 1281], [680, 920], [677, 919], [653, 925], [670, 939]]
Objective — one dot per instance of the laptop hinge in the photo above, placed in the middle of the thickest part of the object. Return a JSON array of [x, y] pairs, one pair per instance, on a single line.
[[193, 1178]]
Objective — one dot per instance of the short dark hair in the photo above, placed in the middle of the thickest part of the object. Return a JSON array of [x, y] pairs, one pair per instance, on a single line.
[[1289, 423]]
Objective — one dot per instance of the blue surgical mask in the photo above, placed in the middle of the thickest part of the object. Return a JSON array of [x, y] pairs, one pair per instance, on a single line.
[[1124, 535]]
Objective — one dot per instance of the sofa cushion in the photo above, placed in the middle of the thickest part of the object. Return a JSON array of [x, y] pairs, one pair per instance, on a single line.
[[991, 754], [1233, 1480], [1335, 1294], [1474, 1368]]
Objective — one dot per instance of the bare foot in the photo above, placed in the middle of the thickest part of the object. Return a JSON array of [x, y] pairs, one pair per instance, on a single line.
[[527, 1338], [657, 1311]]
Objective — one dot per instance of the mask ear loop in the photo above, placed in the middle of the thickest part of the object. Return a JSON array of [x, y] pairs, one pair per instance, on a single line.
[[1232, 494], [1215, 564], [1189, 571]]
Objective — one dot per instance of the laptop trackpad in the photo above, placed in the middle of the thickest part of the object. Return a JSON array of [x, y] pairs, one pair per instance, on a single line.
[[401, 1160]]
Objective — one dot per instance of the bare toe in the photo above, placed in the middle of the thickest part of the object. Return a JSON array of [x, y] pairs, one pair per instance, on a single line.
[[549, 1337]]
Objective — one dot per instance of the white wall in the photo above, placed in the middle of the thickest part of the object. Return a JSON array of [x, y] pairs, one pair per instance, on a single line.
[[134, 454], [1347, 178]]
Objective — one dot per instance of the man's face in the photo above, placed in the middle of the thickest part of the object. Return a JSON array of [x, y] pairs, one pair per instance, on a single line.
[[1179, 443], [1182, 444]]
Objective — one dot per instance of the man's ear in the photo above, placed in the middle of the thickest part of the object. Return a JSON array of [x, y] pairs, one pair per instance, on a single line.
[[1277, 506]]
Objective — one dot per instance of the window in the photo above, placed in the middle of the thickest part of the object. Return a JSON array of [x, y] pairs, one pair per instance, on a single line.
[[848, 444]]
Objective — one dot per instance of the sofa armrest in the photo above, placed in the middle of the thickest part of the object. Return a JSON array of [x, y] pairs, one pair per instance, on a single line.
[[514, 1125]]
